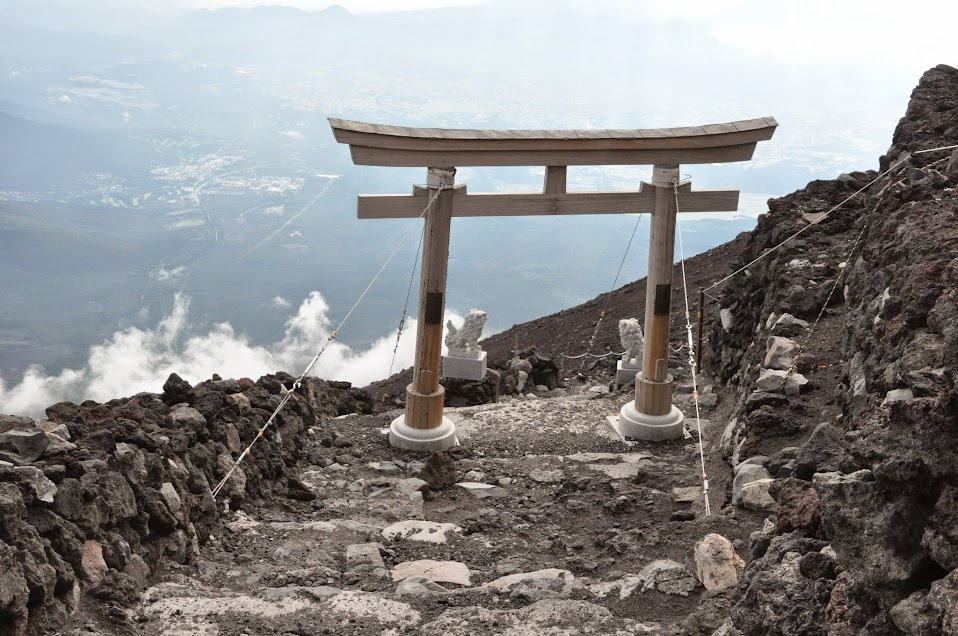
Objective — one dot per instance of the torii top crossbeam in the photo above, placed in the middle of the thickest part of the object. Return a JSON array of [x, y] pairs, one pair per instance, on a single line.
[[379, 145], [441, 150]]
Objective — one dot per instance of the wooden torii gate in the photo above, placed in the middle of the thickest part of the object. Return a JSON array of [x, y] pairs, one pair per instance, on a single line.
[[651, 416]]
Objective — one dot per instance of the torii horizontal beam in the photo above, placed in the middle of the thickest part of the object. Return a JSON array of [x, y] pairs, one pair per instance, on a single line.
[[379, 145], [405, 206]]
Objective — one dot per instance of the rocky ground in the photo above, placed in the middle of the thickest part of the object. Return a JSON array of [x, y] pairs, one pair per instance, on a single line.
[[828, 404]]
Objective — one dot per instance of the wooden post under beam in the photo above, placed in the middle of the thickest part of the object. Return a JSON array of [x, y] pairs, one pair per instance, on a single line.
[[555, 180]]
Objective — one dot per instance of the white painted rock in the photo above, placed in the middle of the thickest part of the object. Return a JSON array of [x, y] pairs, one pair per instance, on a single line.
[[424, 531], [714, 563], [772, 381], [745, 474], [781, 353], [725, 315], [506, 582], [436, 571], [755, 496]]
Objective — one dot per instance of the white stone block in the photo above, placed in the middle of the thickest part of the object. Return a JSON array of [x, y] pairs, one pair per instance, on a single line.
[[465, 365], [625, 372]]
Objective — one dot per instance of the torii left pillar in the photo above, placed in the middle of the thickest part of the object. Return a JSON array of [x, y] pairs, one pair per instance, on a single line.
[[423, 427]]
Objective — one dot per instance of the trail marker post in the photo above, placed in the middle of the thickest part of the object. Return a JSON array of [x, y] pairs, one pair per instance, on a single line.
[[651, 415]]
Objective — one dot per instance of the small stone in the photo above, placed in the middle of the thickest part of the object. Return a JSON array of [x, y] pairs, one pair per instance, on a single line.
[[92, 566], [419, 586], [389, 468], [482, 491], [682, 515], [505, 481], [599, 389], [411, 485], [725, 316], [357, 486], [689, 494], [364, 554], [714, 563], [436, 571], [170, 497], [186, 417], [474, 475], [340, 441], [27, 443], [546, 476], [898, 395], [781, 353], [416, 530], [439, 471], [508, 581], [43, 489]]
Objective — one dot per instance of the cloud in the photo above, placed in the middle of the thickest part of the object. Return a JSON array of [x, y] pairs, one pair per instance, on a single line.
[[161, 274], [136, 360], [281, 303]]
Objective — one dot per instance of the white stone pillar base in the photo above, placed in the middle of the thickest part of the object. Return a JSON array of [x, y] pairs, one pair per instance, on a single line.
[[422, 440], [651, 428]]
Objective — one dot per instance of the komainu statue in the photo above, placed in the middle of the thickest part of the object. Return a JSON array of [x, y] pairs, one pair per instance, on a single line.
[[466, 338], [630, 335]]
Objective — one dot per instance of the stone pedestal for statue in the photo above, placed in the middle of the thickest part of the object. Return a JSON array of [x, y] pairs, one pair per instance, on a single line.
[[625, 372], [466, 359], [464, 365]]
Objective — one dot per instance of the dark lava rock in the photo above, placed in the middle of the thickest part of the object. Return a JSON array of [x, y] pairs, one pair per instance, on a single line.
[[800, 509], [439, 471], [176, 390], [29, 444]]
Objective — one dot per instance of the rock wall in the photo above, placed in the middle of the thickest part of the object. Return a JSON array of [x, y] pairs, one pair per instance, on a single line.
[[866, 537], [98, 497]]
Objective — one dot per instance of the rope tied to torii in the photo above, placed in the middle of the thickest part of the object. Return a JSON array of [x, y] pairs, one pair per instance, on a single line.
[[329, 339], [595, 332]]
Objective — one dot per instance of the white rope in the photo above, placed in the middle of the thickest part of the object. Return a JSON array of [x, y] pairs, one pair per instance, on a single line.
[[692, 366], [921, 152], [405, 307], [593, 355], [825, 216], [811, 224], [299, 381], [588, 352]]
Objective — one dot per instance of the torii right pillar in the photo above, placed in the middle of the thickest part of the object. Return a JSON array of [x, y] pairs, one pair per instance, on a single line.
[[652, 416]]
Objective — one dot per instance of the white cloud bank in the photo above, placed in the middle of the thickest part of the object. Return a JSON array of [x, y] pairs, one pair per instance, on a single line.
[[136, 360]]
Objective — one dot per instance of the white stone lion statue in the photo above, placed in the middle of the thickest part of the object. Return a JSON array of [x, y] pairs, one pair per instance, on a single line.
[[466, 338], [632, 339]]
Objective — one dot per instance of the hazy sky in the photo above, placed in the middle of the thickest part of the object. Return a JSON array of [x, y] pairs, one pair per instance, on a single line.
[[790, 31]]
